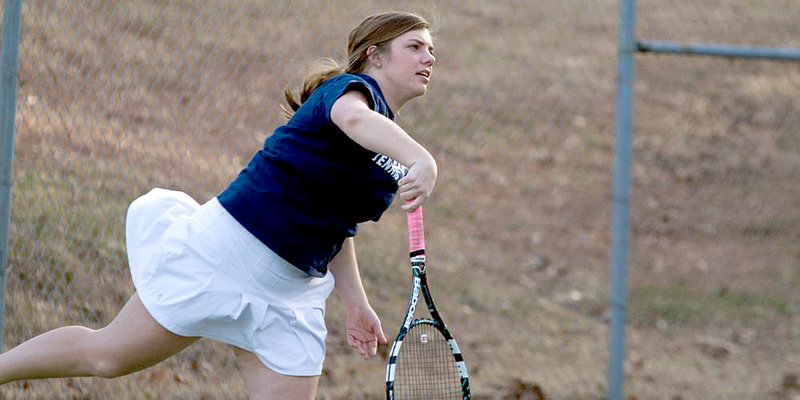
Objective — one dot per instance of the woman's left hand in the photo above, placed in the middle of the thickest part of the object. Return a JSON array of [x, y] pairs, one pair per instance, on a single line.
[[364, 331]]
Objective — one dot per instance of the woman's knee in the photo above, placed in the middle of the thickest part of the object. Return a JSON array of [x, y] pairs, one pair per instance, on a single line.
[[102, 358], [98, 359], [109, 367]]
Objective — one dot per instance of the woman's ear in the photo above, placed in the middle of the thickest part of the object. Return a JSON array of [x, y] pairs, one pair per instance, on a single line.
[[374, 56]]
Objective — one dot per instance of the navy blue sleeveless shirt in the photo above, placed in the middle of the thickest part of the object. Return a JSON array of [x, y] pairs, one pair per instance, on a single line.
[[310, 185]]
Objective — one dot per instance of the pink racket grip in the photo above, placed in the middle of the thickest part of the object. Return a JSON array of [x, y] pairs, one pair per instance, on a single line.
[[416, 234]]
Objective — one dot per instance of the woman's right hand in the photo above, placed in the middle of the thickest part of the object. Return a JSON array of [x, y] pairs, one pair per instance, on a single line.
[[415, 188]]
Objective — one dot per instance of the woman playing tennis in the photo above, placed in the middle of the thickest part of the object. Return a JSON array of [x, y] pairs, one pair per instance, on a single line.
[[253, 266]]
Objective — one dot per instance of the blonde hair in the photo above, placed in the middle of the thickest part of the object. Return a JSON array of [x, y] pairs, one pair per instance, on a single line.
[[375, 30]]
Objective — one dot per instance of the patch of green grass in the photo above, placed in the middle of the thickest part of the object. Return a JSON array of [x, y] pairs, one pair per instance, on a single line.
[[61, 228], [770, 227], [685, 306], [788, 142]]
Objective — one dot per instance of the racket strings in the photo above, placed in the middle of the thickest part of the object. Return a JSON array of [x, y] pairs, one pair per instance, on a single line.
[[426, 368]]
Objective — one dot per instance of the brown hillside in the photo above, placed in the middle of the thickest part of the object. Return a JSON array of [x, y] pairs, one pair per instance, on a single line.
[[117, 97]]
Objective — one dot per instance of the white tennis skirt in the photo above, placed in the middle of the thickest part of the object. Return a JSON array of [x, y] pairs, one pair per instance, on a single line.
[[200, 273]]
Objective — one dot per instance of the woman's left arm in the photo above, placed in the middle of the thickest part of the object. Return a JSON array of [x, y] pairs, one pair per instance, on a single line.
[[364, 330]]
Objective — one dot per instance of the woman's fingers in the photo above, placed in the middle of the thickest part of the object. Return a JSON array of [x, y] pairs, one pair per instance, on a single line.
[[412, 205], [412, 194]]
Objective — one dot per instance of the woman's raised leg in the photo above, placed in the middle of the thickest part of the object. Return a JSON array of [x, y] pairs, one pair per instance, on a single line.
[[131, 342]]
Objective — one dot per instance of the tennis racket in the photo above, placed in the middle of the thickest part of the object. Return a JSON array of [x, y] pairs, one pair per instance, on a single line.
[[424, 361]]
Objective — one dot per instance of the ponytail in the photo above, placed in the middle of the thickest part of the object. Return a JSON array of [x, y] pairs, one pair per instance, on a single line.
[[323, 70]]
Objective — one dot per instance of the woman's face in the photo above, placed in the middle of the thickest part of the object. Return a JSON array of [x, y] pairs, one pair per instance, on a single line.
[[408, 64]]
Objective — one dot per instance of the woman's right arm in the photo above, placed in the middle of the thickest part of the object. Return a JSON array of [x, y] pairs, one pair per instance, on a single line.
[[373, 131]]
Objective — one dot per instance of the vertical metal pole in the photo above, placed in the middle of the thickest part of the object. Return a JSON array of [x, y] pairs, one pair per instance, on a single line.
[[12, 15], [618, 296]]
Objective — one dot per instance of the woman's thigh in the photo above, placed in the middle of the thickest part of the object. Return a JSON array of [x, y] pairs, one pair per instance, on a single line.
[[134, 340], [264, 383]]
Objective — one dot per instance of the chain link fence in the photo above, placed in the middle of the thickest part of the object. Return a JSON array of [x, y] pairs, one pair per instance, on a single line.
[[716, 257], [116, 97]]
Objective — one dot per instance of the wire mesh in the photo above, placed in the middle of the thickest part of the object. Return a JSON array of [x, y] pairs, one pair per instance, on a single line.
[[426, 368]]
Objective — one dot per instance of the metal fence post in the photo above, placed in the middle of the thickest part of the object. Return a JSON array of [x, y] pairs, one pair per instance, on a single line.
[[620, 231], [12, 15]]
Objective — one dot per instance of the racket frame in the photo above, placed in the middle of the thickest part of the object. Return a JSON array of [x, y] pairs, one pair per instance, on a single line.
[[420, 284]]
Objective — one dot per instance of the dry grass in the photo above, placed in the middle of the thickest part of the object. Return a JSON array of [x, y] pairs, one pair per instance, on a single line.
[[118, 97]]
